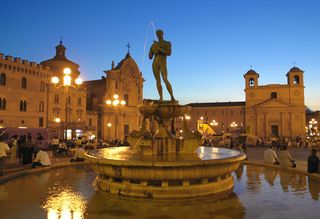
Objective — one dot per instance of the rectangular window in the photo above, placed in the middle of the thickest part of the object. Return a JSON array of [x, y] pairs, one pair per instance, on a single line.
[[126, 98], [56, 98], [231, 112], [41, 122], [90, 122], [222, 112], [79, 101]]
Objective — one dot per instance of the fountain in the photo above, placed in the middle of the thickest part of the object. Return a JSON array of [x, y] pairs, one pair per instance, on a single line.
[[158, 164]]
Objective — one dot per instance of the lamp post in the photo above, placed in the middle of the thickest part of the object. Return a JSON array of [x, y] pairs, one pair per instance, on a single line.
[[66, 83], [233, 125], [313, 129], [115, 102], [109, 127]]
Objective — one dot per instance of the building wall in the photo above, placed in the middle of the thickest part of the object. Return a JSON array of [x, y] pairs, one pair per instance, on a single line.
[[40, 90], [224, 113], [126, 81], [282, 114], [37, 77]]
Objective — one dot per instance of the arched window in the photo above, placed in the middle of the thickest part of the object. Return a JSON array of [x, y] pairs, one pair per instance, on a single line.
[[23, 105], [3, 79], [3, 103], [41, 106], [23, 83], [274, 95], [296, 79], [42, 86], [251, 82]]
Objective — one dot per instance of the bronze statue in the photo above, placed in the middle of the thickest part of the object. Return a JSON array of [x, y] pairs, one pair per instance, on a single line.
[[161, 49]]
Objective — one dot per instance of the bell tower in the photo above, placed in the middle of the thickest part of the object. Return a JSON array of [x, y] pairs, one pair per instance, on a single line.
[[251, 78], [295, 77]]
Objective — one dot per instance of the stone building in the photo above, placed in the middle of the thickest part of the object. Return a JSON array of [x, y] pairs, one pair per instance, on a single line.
[[219, 116], [123, 82], [269, 110], [67, 104], [29, 100], [23, 93], [275, 109]]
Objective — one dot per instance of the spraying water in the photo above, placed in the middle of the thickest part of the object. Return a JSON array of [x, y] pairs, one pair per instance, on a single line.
[[145, 41]]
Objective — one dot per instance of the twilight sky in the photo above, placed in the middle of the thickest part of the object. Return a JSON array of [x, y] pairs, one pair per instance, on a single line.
[[213, 42]]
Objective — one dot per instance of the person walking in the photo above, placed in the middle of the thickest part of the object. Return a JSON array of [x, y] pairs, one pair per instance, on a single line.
[[313, 162], [4, 151]]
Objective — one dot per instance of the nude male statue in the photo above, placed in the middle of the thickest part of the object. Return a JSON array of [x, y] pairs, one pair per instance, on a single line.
[[161, 49]]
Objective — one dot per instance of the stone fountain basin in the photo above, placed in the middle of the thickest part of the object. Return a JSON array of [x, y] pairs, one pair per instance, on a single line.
[[124, 163]]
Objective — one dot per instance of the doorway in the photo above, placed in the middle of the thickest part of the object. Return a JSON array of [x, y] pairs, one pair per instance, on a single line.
[[275, 130]]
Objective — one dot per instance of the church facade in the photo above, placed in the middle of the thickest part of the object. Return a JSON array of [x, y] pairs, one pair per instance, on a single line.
[[116, 97], [275, 109]]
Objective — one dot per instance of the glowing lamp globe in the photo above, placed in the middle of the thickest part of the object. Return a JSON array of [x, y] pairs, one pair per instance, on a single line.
[[55, 80], [108, 102], [67, 71], [122, 102], [67, 80], [116, 96], [78, 81]]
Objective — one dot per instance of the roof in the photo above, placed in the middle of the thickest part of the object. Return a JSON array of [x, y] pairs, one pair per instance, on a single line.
[[295, 69], [120, 64], [217, 104], [251, 72]]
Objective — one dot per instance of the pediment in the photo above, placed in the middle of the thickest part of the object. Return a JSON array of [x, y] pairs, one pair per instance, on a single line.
[[272, 103]]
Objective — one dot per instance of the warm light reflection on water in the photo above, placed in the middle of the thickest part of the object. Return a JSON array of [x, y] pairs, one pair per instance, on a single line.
[[65, 204], [67, 193]]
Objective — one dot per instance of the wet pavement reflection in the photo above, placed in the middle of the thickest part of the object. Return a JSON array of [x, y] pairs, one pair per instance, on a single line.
[[68, 194]]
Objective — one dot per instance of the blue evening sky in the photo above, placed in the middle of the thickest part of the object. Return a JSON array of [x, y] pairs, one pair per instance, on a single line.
[[213, 42]]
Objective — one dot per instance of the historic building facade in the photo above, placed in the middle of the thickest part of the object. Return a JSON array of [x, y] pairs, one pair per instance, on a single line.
[[23, 93], [219, 116], [275, 109], [116, 98], [269, 110], [29, 100], [67, 115]]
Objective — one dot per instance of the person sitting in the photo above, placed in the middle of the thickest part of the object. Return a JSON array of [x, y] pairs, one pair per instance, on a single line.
[[285, 158], [270, 156], [42, 159], [79, 154], [313, 162], [62, 148]]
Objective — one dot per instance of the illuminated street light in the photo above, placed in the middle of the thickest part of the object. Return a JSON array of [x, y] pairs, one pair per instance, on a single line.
[[234, 124], [115, 102], [213, 123], [67, 82]]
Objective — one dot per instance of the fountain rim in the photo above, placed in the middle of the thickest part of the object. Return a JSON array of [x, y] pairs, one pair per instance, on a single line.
[[155, 163]]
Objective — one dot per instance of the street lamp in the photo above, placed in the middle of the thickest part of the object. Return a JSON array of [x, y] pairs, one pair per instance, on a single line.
[[233, 125], [313, 126], [115, 102], [109, 127], [213, 123], [66, 83]]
